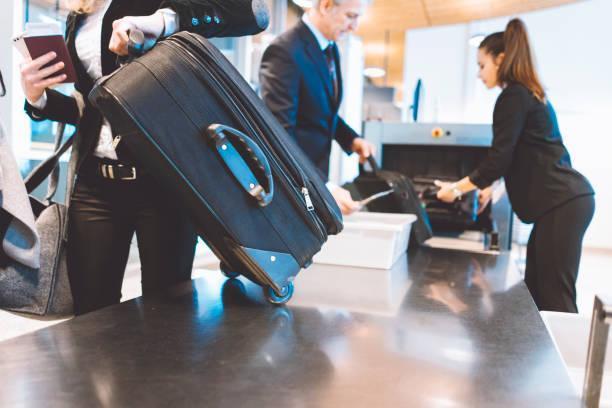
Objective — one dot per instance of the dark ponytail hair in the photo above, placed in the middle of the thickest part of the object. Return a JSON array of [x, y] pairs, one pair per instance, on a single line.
[[518, 64]]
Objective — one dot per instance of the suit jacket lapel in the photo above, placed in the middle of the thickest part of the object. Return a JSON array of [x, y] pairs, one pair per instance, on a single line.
[[316, 56], [86, 141], [72, 25], [116, 10]]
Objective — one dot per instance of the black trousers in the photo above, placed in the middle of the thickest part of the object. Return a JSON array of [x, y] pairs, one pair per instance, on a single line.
[[553, 254], [104, 214]]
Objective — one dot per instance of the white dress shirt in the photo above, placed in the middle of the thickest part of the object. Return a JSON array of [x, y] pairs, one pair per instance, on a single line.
[[88, 44], [323, 42]]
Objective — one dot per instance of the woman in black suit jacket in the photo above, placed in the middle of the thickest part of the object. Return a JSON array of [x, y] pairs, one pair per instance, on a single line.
[[112, 197], [528, 152]]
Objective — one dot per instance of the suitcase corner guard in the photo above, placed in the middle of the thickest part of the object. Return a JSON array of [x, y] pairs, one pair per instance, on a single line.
[[280, 267]]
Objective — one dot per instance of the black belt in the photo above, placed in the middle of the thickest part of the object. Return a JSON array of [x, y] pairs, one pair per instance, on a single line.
[[111, 169]]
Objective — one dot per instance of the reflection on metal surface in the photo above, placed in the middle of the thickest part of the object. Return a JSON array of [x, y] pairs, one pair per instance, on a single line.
[[442, 292], [469, 241], [367, 290], [218, 343], [447, 293]]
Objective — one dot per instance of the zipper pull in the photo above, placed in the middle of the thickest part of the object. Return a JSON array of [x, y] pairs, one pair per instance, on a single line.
[[116, 141], [306, 195]]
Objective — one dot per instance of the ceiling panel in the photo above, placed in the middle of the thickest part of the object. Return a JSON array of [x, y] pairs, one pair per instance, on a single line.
[[405, 14], [397, 16], [383, 26]]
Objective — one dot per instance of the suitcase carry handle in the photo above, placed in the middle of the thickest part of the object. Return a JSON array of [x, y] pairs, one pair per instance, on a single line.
[[223, 138], [372, 163]]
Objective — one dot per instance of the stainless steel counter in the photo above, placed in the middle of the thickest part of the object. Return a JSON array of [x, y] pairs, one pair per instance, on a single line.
[[442, 329]]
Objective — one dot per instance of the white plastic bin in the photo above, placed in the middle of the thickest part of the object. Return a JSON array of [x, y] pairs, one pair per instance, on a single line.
[[369, 240], [362, 290]]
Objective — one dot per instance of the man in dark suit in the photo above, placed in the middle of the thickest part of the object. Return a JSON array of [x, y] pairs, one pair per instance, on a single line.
[[302, 85]]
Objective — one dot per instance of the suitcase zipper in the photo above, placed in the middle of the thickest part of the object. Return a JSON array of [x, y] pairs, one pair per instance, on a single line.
[[304, 190], [314, 221], [305, 181], [116, 141], [306, 194]]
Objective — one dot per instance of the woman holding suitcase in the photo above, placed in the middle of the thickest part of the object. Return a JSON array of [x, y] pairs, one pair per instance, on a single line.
[[529, 153], [113, 197]]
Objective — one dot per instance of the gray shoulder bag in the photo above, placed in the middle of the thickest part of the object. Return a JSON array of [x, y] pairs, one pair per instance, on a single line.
[[44, 291]]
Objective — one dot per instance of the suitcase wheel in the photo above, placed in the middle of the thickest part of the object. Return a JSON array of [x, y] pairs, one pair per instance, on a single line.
[[227, 272], [279, 299]]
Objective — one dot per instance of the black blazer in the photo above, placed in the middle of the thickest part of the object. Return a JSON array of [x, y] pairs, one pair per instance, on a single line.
[[297, 87], [236, 17], [529, 153]]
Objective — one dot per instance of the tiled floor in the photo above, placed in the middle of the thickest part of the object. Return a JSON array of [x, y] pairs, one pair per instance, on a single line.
[[571, 335], [571, 332], [595, 278]]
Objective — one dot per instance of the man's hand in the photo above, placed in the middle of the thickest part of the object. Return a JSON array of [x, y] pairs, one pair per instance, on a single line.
[[363, 148], [152, 27], [484, 198], [344, 200]]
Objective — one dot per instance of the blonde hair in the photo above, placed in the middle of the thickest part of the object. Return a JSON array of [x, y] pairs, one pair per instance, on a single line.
[[315, 3], [82, 6]]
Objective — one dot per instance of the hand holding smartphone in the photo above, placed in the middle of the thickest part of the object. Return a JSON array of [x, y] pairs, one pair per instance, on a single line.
[[40, 39]]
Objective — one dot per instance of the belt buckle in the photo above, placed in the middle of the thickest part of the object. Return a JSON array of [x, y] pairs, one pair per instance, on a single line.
[[108, 172], [130, 177]]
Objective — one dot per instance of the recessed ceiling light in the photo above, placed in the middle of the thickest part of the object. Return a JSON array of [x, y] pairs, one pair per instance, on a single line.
[[475, 40]]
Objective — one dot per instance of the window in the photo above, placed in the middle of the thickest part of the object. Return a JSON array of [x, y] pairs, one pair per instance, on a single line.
[[46, 11]]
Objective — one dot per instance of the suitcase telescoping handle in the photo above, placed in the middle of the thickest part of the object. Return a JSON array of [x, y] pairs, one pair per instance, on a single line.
[[136, 43], [224, 139], [136, 46]]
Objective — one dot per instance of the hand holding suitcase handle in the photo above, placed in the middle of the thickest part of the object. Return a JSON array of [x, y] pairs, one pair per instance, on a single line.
[[136, 47], [136, 43], [372, 163], [223, 138]]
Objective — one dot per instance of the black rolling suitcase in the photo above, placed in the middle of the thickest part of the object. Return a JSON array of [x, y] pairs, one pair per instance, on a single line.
[[188, 117], [456, 216], [404, 198]]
